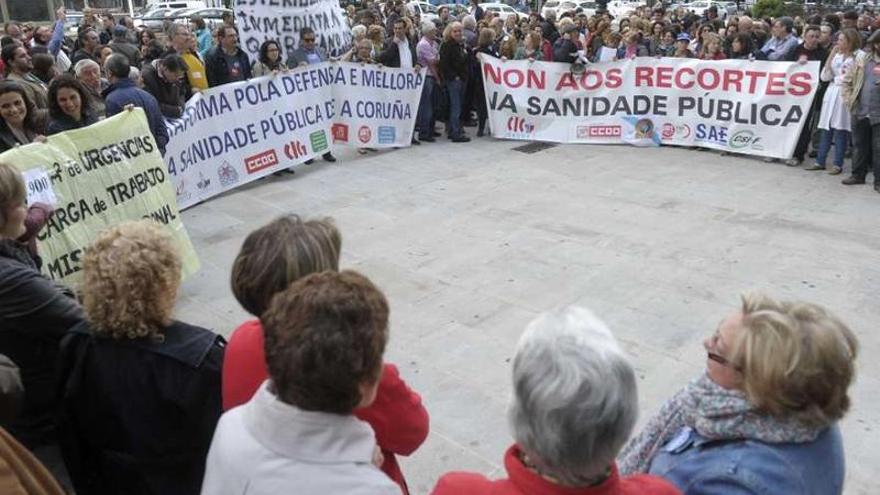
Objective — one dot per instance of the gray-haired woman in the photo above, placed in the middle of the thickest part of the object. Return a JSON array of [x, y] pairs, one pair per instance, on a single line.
[[574, 406]]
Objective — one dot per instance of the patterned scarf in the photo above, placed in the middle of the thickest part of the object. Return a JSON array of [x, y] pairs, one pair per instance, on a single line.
[[715, 413]]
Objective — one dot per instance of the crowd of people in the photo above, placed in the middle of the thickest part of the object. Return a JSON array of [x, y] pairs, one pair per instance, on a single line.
[[104, 391], [51, 86]]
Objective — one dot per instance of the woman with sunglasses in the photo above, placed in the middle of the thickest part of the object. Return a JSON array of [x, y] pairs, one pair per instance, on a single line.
[[763, 417]]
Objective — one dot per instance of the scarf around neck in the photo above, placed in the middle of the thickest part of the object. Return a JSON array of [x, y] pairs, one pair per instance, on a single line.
[[715, 413]]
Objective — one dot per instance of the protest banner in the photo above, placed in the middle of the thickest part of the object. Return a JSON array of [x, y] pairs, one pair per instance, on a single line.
[[376, 106], [282, 20], [94, 178], [236, 133], [742, 106]]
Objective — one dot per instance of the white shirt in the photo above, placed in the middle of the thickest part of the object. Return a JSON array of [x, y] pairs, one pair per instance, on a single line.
[[405, 54], [268, 447]]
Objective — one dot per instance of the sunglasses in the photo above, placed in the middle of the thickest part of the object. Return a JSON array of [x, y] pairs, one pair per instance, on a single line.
[[718, 358]]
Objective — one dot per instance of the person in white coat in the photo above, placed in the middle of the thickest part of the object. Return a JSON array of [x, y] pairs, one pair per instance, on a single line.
[[325, 336], [835, 120]]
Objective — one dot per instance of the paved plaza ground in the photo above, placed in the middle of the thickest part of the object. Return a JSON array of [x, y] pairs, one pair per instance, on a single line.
[[471, 241]]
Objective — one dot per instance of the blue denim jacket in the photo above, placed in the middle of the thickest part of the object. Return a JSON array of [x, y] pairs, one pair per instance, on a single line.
[[701, 466]]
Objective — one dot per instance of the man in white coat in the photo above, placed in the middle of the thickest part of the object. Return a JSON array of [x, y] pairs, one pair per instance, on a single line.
[[324, 336]]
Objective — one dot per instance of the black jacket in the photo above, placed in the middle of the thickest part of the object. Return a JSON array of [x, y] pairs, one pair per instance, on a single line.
[[217, 71], [390, 54], [8, 140], [137, 416], [170, 97], [564, 50], [35, 313], [453, 61], [64, 123], [129, 50], [80, 55]]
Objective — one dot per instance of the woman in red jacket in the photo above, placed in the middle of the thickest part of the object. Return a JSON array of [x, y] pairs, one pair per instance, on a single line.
[[574, 405], [271, 258]]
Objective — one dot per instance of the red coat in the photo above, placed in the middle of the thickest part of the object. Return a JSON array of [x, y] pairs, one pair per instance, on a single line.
[[397, 416], [523, 481]]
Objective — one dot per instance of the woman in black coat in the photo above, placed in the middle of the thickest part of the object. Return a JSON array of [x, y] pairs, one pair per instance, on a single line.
[[69, 105], [453, 67], [142, 390], [35, 313]]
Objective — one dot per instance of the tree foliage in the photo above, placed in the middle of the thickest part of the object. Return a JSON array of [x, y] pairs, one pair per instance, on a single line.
[[768, 8]]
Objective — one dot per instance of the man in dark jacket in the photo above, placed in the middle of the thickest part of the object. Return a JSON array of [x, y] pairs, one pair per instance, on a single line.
[[123, 91], [162, 79], [308, 53], [809, 50], [120, 44], [227, 62], [88, 42], [398, 51]]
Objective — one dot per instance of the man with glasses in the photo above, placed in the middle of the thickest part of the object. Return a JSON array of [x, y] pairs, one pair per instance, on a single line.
[[227, 62], [308, 53]]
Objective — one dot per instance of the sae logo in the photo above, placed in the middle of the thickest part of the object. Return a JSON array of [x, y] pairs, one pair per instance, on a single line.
[[387, 134]]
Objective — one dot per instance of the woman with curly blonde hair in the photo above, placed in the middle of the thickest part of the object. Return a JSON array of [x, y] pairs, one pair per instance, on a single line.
[[142, 390]]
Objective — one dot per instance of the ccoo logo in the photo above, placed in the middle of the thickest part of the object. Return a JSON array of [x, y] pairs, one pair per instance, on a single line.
[[519, 125], [294, 150]]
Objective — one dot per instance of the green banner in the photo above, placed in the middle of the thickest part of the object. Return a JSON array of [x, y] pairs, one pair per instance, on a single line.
[[94, 178]]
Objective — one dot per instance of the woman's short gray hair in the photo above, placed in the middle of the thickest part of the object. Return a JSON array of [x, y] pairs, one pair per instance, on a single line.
[[359, 31], [428, 27], [469, 22], [575, 401], [83, 64]]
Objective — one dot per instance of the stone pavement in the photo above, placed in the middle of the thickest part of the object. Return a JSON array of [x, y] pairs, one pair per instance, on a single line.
[[470, 241]]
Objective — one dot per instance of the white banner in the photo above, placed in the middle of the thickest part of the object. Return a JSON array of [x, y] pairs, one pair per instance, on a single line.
[[376, 106], [755, 108], [236, 133], [281, 20]]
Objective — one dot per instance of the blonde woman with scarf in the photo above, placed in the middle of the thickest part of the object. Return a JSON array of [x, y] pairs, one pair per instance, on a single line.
[[763, 418]]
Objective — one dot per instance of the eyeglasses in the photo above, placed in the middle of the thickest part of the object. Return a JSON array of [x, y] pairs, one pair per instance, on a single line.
[[309, 40]]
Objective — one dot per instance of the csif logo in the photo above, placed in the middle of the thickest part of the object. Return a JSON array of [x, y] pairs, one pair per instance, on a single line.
[[519, 125], [745, 139], [295, 149]]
